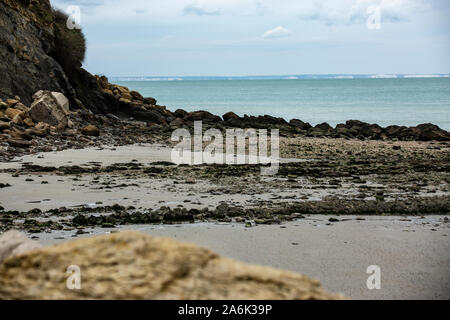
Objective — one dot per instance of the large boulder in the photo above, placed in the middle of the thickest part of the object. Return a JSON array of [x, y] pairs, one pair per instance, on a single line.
[[300, 124], [91, 131], [230, 115], [12, 113], [62, 101], [131, 265], [50, 107], [180, 113], [428, 131], [202, 116]]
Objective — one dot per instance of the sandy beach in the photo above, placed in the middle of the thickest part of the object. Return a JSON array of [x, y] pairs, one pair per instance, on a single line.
[[224, 151], [411, 250], [413, 258]]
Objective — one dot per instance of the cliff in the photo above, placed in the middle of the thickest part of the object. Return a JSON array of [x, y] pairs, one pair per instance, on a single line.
[[32, 56]]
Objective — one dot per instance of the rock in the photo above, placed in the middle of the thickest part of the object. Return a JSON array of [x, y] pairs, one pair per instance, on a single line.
[[47, 109], [35, 132], [4, 125], [131, 265], [137, 96], [150, 101], [62, 101], [31, 60], [58, 97], [42, 127], [113, 117], [107, 91], [177, 123], [324, 126], [202, 116], [300, 124], [103, 82], [15, 243], [20, 134], [18, 142], [21, 107], [151, 115], [122, 90], [127, 96], [428, 131], [90, 130], [37, 95], [11, 113], [3, 105], [1, 114], [127, 101], [11, 102], [17, 120], [229, 115], [180, 113]]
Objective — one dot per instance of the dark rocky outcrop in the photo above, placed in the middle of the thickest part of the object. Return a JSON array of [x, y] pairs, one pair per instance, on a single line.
[[33, 59]]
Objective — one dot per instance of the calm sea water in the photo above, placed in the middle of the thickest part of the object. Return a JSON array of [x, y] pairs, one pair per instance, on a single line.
[[383, 101]]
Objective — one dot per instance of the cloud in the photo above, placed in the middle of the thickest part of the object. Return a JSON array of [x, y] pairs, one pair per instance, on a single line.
[[199, 11], [350, 12], [278, 32]]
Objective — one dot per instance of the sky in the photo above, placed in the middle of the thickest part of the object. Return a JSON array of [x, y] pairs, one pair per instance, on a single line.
[[264, 37]]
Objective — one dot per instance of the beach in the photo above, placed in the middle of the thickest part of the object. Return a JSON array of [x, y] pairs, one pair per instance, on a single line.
[[413, 258], [300, 153], [272, 221]]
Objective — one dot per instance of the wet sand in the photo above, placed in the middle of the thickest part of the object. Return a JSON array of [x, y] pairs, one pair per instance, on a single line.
[[413, 252], [414, 260]]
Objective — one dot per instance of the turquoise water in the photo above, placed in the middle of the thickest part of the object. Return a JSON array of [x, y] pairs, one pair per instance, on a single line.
[[383, 101]]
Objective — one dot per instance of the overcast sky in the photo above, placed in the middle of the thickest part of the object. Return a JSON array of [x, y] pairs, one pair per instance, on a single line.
[[264, 37]]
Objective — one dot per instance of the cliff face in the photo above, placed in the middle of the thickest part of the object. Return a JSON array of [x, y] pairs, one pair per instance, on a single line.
[[29, 60], [26, 41]]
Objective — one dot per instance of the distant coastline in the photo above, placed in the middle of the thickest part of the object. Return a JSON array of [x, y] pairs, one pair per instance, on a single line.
[[280, 77]]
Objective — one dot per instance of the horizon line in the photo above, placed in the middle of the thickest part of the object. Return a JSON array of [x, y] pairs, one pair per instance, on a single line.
[[337, 76]]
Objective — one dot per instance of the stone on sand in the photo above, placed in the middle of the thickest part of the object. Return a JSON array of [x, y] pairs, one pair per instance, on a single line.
[[46, 108], [90, 130]]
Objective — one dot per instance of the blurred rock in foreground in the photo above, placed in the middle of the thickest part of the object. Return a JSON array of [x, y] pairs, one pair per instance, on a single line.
[[15, 243], [131, 265]]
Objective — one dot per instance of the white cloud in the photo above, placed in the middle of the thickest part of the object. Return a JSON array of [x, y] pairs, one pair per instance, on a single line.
[[199, 11], [330, 12], [345, 12], [278, 32]]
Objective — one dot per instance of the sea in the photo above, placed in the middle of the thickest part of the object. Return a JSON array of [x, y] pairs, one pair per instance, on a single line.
[[406, 100]]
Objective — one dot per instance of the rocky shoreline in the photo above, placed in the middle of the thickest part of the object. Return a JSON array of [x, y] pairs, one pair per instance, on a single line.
[[49, 125], [117, 172], [338, 177]]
